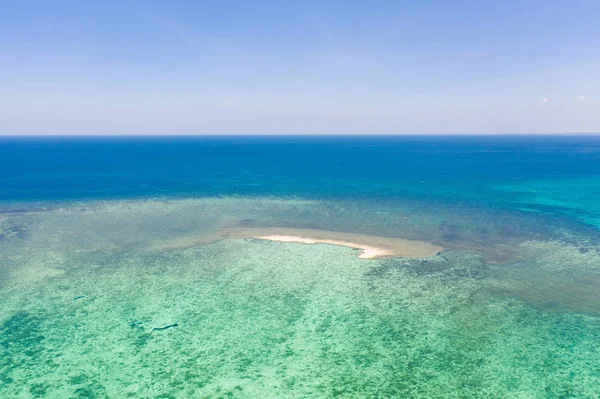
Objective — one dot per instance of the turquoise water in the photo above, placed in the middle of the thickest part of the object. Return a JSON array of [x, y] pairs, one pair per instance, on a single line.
[[99, 300]]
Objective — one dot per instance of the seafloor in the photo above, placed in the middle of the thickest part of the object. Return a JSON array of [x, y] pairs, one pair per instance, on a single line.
[[90, 308]]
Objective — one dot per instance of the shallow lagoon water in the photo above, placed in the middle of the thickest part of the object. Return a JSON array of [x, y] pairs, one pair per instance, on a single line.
[[85, 301], [509, 309]]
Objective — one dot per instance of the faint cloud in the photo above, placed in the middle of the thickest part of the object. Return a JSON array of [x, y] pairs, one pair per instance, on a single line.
[[545, 100], [580, 98]]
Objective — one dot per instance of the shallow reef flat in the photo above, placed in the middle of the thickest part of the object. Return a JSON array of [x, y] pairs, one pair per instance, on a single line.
[[92, 306]]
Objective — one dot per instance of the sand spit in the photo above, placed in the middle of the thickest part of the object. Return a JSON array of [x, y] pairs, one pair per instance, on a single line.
[[372, 246]]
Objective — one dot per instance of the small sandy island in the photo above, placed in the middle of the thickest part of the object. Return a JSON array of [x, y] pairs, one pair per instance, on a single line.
[[372, 246]]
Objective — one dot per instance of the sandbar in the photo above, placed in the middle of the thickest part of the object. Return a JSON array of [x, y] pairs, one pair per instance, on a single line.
[[372, 247]]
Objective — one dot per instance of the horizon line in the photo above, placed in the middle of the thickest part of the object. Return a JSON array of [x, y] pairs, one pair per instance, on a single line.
[[292, 135]]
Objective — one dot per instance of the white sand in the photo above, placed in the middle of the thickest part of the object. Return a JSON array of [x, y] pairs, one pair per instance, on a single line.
[[368, 252], [372, 246]]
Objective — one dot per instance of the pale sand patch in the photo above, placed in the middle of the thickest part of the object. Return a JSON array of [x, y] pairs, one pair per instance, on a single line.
[[372, 246]]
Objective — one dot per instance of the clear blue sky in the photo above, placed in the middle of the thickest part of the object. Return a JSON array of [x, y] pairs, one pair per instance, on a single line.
[[306, 67]]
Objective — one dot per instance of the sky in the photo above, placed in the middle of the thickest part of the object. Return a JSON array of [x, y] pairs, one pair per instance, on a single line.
[[302, 67]]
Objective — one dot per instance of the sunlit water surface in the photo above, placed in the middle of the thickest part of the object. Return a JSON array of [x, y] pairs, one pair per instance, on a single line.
[[91, 309]]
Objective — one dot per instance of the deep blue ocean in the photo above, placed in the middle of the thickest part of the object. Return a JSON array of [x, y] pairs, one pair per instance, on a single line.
[[448, 168]]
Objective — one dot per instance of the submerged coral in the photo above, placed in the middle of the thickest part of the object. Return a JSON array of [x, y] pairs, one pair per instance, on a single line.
[[105, 317]]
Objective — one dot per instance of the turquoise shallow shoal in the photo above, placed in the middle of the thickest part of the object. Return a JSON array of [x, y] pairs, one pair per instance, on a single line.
[[89, 313]]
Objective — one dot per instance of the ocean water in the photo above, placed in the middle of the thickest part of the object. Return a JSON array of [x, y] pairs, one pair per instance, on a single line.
[[103, 296]]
